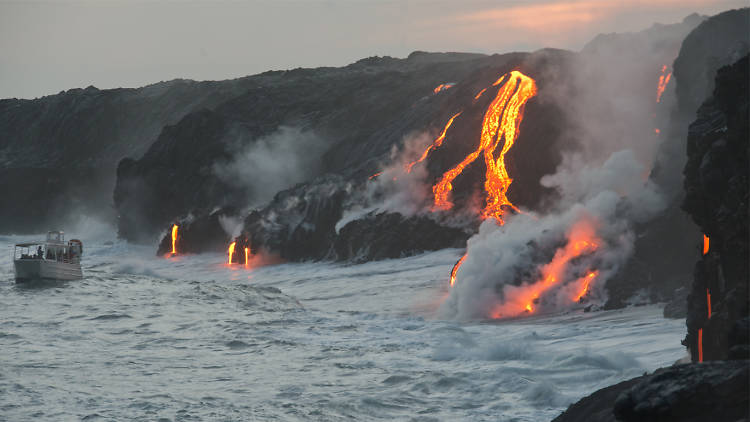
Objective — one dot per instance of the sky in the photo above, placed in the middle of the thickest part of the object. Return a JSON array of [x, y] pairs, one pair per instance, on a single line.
[[47, 47]]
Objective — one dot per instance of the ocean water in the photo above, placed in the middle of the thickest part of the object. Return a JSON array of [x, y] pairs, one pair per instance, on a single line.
[[147, 338]]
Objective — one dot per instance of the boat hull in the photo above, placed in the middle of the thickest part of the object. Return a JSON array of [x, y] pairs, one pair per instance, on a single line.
[[40, 269]]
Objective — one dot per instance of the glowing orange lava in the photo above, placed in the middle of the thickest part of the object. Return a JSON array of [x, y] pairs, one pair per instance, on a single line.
[[442, 87], [479, 95], [435, 144], [501, 122], [708, 301], [456, 267], [700, 345], [231, 252], [582, 240], [705, 244], [174, 239], [375, 175], [663, 81], [586, 282], [247, 256]]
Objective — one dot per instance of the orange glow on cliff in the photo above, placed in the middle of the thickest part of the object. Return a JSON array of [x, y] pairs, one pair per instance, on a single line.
[[705, 244], [582, 240], [501, 122], [708, 302], [479, 95], [700, 345], [247, 257], [435, 144], [456, 267], [231, 252], [663, 81], [174, 239]]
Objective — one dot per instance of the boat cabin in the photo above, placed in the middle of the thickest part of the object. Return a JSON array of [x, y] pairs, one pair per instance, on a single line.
[[54, 248]]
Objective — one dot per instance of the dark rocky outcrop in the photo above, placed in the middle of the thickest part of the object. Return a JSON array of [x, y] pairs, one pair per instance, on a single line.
[[391, 235], [664, 244], [716, 391], [717, 195], [198, 234]]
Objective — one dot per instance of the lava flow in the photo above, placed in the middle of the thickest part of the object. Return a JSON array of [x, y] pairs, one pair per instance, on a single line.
[[663, 81], [443, 87], [705, 244], [456, 267], [174, 239], [582, 240], [435, 144], [501, 121], [247, 257], [230, 251]]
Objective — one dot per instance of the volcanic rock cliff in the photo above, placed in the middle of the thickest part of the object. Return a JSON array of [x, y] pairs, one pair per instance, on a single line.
[[58, 153], [716, 385]]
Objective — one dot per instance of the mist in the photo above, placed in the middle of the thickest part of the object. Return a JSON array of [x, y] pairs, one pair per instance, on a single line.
[[272, 163]]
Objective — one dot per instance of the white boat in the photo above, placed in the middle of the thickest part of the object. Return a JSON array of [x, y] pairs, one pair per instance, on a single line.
[[51, 259]]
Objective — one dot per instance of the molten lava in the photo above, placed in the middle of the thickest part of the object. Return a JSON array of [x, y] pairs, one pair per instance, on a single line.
[[435, 144], [479, 95], [501, 122], [582, 240], [247, 257], [231, 252], [375, 175], [586, 282], [705, 244], [174, 239], [708, 302], [700, 345], [662, 84], [456, 267], [442, 87]]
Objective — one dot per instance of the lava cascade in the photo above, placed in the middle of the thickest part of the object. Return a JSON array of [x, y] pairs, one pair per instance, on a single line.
[[705, 244], [456, 267], [662, 84], [443, 87], [435, 144], [230, 251], [175, 228], [501, 122], [582, 240]]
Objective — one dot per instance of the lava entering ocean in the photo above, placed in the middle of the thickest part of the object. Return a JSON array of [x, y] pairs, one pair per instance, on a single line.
[[230, 252], [518, 300]]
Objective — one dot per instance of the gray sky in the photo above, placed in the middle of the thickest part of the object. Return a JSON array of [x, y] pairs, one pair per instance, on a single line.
[[46, 47]]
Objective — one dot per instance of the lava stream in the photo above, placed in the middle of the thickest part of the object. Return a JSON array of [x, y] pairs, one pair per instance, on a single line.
[[435, 144], [456, 267], [247, 256], [582, 240], [231, 252], [501, 121], [174, 239], [705, 244], [662, 84]]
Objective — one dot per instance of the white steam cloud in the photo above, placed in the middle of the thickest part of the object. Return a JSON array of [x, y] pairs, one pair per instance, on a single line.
[[506, 264], [273, 163]]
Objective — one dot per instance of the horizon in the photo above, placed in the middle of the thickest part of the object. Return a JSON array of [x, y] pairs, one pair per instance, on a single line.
[[60, 45]]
